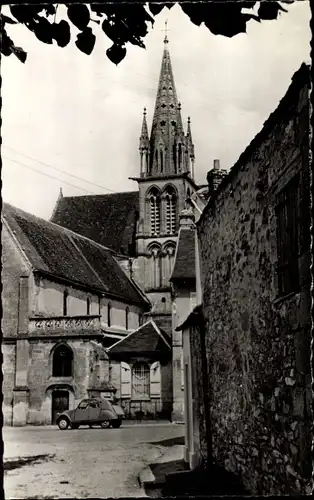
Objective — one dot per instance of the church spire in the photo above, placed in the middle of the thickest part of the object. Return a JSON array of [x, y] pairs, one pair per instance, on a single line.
[[168, 152]]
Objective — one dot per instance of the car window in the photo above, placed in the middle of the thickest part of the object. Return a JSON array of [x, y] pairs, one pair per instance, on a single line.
[[94, 404], [83, 404]]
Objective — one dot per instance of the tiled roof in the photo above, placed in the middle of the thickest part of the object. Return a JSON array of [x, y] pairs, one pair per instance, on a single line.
[[147, 339], [108, 219], [70, 257], [184, 264]]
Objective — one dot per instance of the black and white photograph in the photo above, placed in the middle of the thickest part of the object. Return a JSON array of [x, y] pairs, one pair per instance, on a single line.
[[156, 249]]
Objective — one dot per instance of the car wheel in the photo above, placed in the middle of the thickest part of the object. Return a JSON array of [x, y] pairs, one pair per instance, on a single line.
[[63, 424], [116, 424], [105, 424]]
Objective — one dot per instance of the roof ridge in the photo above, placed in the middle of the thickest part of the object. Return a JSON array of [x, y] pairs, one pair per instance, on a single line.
[[100, 194], [61, 228], [131, 333], [159, 333]]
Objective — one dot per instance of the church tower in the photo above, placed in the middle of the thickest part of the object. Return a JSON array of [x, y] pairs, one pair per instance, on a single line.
[[166, 180]]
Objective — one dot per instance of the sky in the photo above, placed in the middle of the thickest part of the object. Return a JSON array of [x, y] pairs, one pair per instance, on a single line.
[[73, 121]]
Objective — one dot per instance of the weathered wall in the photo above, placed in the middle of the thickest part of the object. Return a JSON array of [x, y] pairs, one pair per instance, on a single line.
[[48, 301], [41, 382], [8, 369], [13, 267], [257, 344]]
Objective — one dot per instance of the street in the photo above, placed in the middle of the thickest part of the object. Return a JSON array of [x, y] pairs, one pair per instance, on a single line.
[[82, 463]]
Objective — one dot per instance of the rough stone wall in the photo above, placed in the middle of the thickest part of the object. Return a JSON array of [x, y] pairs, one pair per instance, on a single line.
[[257, 344], [199, 422]]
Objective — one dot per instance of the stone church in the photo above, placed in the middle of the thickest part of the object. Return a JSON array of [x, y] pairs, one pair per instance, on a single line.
[[88, 304]]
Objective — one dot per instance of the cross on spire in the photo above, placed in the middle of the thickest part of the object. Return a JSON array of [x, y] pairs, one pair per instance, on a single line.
[[166, 32]]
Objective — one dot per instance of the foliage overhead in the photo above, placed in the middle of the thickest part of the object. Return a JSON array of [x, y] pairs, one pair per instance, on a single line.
[[124, 22]]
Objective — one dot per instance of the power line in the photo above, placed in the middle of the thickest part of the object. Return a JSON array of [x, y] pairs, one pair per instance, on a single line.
[[58, 170], [47, 175]]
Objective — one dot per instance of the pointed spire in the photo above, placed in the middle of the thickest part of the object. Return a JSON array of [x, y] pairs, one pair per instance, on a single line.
[[60, 193], [144, 132], [168, 150]]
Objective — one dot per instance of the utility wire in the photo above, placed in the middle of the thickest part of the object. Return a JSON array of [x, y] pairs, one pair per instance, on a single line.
[[47, 175], [57, 169]]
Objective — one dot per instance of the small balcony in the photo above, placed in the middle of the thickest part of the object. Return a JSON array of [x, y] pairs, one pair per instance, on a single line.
[[64, 324]]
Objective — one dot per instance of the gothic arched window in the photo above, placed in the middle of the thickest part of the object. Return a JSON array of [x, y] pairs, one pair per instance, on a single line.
[[167, 262], [62, 361], [140, 381], [155, 266], [170, 210], [154, 210], [161, 161], [180, 155]]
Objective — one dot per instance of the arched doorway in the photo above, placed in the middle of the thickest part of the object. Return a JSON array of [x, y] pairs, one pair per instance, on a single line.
[[59, 403]]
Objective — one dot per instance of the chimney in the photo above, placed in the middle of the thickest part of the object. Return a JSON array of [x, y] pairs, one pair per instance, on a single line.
[[216, 164], [214, 177]]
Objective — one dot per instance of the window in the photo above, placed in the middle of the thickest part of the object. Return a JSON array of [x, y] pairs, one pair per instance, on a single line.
[[94, 403], [167, 262], [88, 306], [140, 381], [154, 202], [62, 361], [287, 238], [65, 302], [161, 161], [171, 210], [83, 404], [155, 266], [127, 318], [109, 314]]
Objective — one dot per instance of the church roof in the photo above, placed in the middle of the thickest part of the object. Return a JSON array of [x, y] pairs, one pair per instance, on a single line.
[[148, 339], [108, 219], [184, 264], [70, 257]]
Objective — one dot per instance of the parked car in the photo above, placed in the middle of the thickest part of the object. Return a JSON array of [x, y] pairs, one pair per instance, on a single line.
[[95, 411]]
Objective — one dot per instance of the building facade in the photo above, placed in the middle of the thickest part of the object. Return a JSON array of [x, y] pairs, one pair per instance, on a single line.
[[254, 243], [64, 299]]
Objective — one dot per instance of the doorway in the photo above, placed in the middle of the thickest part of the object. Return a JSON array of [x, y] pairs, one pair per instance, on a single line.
[[59, 403]]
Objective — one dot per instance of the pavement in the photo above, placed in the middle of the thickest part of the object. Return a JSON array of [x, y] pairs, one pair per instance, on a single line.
[[44, 462], [154, 475]]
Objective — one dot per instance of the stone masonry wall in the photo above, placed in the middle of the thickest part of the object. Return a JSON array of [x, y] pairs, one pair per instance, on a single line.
[[257, 344]]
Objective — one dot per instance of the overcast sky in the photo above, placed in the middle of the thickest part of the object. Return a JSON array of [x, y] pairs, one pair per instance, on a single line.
[[82, 114]]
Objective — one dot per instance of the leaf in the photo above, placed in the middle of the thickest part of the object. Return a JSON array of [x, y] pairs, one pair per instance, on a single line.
[[116, 53], [19, 53], [43, 30], [155, 8], [61, 33], [85, 41], [269, 10], [7, 19], [79, 15], [50, 10]]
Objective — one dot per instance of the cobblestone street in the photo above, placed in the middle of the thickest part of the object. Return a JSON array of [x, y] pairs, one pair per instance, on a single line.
[[82, 463]]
